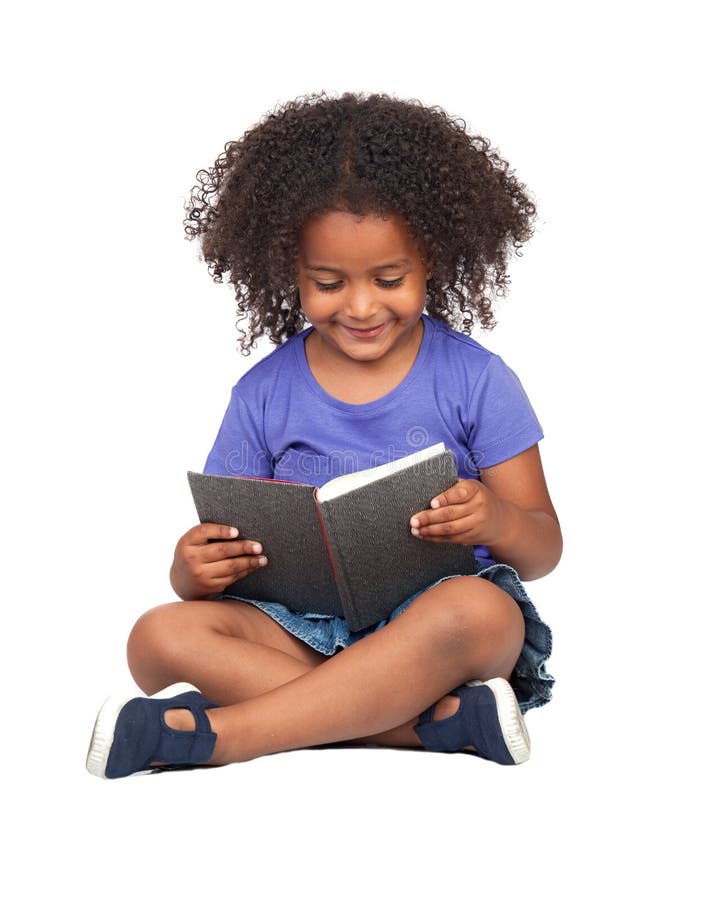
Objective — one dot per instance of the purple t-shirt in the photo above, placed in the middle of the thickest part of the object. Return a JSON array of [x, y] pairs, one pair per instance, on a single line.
[[280, 423]]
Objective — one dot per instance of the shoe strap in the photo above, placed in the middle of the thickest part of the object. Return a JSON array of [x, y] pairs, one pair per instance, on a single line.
[[427, 715], [203, 725], [188, 747], [442, 735]]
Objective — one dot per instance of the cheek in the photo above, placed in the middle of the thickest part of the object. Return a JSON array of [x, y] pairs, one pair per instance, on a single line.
[[415, 301], [313, 307], [305, 296]]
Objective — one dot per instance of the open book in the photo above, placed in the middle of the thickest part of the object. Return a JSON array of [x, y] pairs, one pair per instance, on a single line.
[[345, 548]]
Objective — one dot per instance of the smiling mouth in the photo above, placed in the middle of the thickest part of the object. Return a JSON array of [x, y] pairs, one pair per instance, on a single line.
[[366, 332]]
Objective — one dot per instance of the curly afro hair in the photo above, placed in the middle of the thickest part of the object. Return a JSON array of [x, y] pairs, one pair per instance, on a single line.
[[361, 154]]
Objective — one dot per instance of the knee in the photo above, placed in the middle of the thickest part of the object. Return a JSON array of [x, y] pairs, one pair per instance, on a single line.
[[153, 641], [482, 618]]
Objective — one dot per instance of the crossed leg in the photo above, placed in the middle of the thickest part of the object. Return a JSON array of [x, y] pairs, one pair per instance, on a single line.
[[276, 693]]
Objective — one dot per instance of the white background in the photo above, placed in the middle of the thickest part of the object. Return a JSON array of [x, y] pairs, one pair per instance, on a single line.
[[120, 351]]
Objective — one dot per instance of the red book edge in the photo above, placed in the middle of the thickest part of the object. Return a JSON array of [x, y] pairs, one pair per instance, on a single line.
[[325, 535]]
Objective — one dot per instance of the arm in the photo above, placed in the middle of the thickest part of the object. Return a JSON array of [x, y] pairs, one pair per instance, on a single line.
[[207, 559], [508, 509], [529, 537]]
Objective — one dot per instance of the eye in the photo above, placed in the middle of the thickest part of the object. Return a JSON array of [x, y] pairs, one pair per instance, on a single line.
[[397, 282], [322, 286]]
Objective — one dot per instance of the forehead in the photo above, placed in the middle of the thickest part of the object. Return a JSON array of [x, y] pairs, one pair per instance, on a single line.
[[354, 241]]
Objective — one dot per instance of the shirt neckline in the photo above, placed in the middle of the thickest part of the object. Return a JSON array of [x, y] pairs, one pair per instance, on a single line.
[[361, 408]]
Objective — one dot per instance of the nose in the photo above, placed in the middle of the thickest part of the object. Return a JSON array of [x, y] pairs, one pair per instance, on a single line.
[[360, 303]]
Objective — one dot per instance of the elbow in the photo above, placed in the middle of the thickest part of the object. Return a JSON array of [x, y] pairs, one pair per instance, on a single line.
[[554, 553], [547, 561]]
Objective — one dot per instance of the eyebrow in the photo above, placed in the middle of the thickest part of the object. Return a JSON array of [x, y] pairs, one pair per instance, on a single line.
[[396, 264]]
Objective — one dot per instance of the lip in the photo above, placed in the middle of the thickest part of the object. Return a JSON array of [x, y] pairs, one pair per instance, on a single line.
[[366, 333]]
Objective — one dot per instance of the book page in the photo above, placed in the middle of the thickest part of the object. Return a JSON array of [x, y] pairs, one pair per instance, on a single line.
[[345, 483]]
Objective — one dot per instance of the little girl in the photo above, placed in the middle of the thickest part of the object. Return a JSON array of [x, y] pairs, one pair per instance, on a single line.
[[356, 232]]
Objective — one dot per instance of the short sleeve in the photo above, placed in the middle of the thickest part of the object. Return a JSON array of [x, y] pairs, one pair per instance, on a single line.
[[501, 420], [239, 448]]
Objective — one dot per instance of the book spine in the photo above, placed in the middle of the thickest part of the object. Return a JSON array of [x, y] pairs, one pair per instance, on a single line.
[[338, 564], [325, 539]]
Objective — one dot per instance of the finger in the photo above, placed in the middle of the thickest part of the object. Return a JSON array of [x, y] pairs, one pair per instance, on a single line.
[[451, 529], [208, 531], [460, 492], [227, 549], [229, 570], [435, 516], [465, 538]]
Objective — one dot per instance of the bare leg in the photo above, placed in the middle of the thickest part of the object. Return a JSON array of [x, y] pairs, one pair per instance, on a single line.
[[464, 628], [201, 643], [230, 651]]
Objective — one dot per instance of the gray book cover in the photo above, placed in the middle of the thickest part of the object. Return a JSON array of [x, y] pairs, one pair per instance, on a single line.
[[282, 516], [353, 555], [377, 561]]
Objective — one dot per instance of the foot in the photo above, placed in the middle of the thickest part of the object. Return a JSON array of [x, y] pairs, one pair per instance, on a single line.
[[445, 708], [487, 720], [134, 734]]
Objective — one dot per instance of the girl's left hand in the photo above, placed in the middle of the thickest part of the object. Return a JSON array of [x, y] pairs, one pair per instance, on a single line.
[[468, 513]]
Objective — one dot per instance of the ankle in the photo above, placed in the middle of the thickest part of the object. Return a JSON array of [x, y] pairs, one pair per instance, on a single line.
[[446, 707], [179, 719]]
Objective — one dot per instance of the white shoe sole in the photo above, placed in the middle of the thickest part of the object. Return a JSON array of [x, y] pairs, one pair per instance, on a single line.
[[511, 720], [104, 730]]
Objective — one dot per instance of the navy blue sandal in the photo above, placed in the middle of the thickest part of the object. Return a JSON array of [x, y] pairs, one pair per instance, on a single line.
[[130, 733], [488, 719]]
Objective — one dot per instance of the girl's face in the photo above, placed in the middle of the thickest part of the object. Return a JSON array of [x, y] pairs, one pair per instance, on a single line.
[[362, 283]]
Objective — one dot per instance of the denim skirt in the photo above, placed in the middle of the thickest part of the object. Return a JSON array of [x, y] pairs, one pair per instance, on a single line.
[[327, 634]]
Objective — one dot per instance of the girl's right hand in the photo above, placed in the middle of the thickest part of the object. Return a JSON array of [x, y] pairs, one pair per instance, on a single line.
[[202, 570]]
